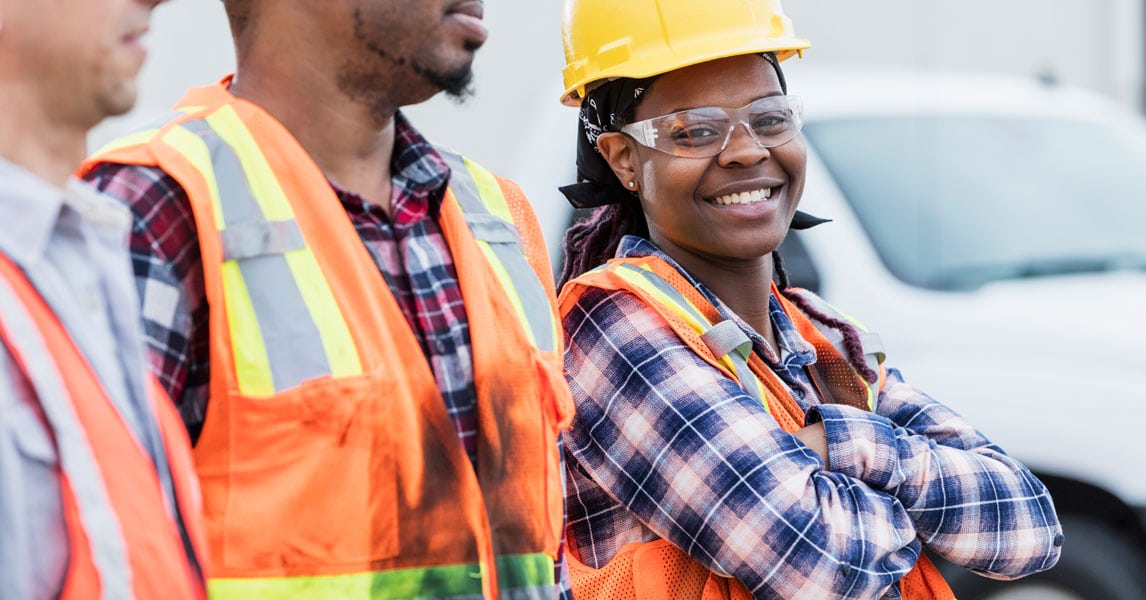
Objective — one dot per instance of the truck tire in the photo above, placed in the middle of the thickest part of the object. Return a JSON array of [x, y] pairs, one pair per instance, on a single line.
[[1096, 564]]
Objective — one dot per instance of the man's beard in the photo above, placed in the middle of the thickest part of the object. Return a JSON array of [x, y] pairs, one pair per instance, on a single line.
[[456, 83]]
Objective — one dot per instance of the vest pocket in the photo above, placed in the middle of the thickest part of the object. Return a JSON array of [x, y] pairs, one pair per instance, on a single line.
[[312, 480]]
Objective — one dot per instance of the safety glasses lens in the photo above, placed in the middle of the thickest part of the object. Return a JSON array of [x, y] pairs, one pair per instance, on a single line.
[[705, 132]]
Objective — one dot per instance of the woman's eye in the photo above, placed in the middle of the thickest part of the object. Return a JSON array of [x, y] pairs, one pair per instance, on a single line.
[[770, 123], [695, 135]]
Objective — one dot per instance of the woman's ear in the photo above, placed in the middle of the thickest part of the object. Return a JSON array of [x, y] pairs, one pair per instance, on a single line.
[[617, 149]]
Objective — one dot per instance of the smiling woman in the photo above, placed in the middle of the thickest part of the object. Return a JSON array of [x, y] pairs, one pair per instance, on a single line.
[[735, 437]]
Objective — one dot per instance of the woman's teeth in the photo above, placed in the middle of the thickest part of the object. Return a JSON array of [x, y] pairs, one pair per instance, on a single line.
[[744, 197]]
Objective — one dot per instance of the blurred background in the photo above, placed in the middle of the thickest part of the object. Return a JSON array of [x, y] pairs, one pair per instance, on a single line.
[[1096, 44], [984, 162]]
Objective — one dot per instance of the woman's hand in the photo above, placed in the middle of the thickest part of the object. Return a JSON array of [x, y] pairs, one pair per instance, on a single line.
[[815, 438]]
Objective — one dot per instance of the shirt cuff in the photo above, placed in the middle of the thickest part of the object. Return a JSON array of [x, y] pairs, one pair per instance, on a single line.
[[861, 444]]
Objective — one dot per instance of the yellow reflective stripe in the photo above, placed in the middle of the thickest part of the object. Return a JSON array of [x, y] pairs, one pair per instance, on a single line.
[[489, 190], [341, 351], [674, 305], [145, 135], [520, 576], [487, 213], [763, 393], [680, 304], [195, 150], [264, 185], [849, 318], [252, 365], [337, 342], [494, 201], [136, 139], [688, 311], [510, 289], [870, 388]]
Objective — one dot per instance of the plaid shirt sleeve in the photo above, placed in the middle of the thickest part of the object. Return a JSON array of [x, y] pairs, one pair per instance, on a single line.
[[168, 269], [670, 440], [969, 501]]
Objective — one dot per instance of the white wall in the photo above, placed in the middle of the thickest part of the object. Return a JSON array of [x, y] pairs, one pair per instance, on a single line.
[[1091, 43], [189, 45], [514, 126]]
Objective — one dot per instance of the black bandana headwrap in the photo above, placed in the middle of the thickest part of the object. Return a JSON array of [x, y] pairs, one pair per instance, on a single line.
[[603, 110]]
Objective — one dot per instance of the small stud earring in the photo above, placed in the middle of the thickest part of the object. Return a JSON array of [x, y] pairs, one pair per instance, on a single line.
[[632, 185]]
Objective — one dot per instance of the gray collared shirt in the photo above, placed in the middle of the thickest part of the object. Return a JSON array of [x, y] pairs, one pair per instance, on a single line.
[[72, 245]]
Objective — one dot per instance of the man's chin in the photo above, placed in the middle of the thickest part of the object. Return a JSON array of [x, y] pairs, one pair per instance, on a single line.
[[456, 83], [119, 101]]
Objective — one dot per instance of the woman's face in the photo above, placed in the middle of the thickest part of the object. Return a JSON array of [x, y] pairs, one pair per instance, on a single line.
[[685, 200]]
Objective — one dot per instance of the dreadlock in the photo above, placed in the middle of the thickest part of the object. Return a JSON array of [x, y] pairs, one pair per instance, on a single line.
[[594, 239], [614, 210], [852, 344]]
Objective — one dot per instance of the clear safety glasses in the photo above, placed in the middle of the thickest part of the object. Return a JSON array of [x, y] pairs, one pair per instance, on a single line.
[[705, 132]]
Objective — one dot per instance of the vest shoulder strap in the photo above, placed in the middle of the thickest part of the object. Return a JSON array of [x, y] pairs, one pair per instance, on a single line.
[[132, 148], [23, 314], [834, 376], [871, 341], [505, 228], [717, 340]]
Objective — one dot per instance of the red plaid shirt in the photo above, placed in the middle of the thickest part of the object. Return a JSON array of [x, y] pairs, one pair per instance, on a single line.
[[407, 246]]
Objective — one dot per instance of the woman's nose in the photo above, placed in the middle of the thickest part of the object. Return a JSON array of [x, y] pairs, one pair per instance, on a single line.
[[742, 147]]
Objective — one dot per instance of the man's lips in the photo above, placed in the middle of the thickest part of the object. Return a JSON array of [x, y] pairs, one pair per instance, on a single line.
[[470, 8], [469, 14]]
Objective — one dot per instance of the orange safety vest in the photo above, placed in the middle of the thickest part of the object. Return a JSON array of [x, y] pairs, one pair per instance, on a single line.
[[330, 467], [123, 540], [658, 569]]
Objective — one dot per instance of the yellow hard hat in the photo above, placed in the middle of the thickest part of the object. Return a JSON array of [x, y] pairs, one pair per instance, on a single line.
[[640, 38]]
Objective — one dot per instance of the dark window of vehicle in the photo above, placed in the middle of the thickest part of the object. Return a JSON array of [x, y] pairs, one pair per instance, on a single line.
[[954, 202]]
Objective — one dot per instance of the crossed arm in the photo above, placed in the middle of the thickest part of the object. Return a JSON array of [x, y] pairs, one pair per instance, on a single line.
[[681, 448]]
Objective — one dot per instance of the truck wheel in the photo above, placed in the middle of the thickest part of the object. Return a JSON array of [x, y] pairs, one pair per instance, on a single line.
[[1096, 564]]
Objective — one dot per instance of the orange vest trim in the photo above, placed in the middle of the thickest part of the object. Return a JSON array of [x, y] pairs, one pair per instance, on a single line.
[[658, 570], [125, 542], [354, 478]]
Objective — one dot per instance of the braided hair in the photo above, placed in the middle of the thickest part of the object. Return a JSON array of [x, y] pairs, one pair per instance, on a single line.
[[852, 346], [613, 211]]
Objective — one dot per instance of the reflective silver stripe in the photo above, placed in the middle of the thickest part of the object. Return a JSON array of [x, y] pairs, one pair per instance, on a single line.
[[723, 339], [667, 289], [489, 228], [248, 240], [78, 462], [235, 194], [505, 241], [293, 344]]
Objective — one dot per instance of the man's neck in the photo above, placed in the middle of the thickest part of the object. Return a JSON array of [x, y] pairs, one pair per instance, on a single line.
[[48, 147], [351, 142]]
